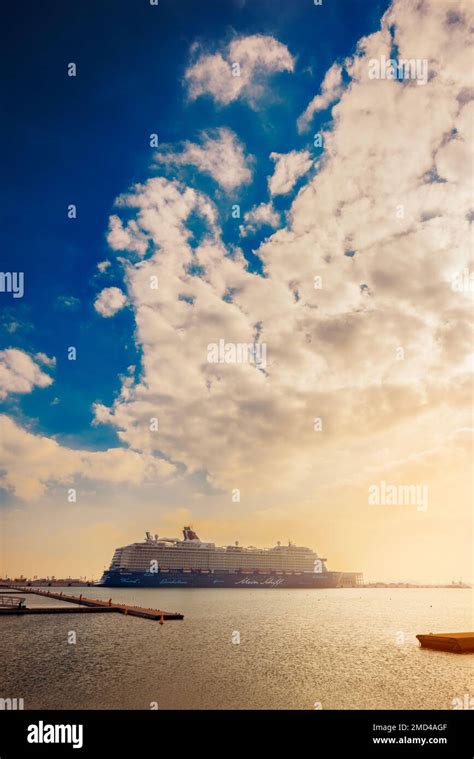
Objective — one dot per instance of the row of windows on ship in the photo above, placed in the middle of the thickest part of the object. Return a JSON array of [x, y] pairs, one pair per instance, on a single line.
[[143, 565]]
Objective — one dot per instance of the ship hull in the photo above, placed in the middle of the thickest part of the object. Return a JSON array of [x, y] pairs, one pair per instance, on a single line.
[[125, 579]]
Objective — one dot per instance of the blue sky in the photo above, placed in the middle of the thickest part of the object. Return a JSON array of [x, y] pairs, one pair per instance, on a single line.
[[379, 350], [84, 140]]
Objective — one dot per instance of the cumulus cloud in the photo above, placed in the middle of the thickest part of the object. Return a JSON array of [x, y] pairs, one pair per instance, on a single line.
[[240, 70], [162, 209], [289, 167], [109, 301], [362, 327], [331, 90], [220, 154], [30, 463], [19, 373], [126, 237], [263, 214]]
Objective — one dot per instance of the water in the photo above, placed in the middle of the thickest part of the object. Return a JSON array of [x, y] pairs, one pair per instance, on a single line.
[[342, 648]]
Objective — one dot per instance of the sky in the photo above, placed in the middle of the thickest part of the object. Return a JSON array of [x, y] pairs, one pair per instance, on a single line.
[[194, 174]]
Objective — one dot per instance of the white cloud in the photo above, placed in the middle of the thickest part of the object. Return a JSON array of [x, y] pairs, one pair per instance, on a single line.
[[220, 155], [109, 301], [259, 216], [103, 266], [163, 207], [332, 350], [253, 58], [126, 237], [46, 360], [289, 167], [30, 463], [20, 374], [331, 90]]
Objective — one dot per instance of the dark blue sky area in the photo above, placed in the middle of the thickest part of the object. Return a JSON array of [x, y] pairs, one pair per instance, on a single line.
[[85, 140]]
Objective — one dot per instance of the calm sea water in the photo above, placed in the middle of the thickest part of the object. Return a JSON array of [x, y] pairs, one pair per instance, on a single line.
[[344, 649]]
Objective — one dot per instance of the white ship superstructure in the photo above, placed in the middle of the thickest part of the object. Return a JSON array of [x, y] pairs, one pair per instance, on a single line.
[[192, 553]]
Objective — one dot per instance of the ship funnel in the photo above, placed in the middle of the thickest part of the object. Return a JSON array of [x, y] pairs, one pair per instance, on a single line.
[[189, 534]]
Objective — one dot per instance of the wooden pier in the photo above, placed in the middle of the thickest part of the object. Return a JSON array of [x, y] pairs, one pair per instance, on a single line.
[[19, 612], [87, 605], [456, 643]]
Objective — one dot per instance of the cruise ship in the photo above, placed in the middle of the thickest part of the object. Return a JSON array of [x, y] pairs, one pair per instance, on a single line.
[[159, 562]]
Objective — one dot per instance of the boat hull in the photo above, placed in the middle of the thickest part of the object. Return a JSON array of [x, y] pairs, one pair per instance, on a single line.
[[122, 578]]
